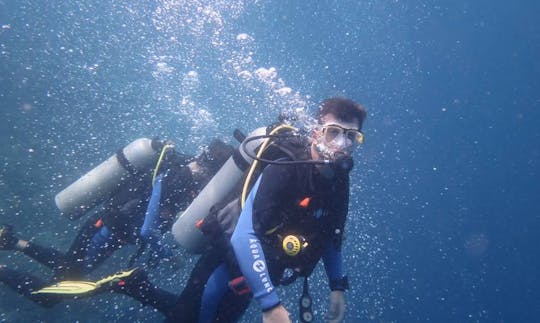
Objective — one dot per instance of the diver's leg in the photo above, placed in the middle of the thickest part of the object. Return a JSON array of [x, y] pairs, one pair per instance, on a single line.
[[49, 257], [232, 307], [92, 246], [96, 250], [77, 260], [140, 288], [216, 287], [89, 249], [188, 304], [69, 264], [25, 284]]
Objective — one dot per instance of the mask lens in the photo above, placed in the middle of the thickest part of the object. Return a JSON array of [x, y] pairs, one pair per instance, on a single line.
[[351, 135], [332, 132], [355, 136]]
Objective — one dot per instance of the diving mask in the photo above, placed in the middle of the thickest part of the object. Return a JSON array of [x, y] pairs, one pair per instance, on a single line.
[[336, 140], [334, 133]]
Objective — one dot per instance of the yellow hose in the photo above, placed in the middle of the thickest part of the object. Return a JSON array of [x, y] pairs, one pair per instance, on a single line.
[[161, 155], [256, 162]]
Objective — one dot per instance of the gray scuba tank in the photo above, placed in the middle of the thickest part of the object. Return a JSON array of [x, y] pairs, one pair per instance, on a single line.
[[184, 229], [99, 183]]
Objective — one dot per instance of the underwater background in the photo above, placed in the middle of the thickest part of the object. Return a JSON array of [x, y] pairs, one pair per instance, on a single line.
[[444, 216]]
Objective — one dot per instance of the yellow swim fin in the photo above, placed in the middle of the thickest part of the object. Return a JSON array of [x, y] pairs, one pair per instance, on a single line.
[[70, 287], [115, 277]]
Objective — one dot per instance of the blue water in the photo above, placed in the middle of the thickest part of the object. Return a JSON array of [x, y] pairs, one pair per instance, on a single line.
[[444, 222]]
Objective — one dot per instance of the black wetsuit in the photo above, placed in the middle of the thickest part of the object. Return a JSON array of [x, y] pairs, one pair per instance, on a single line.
[[277, 203], [118, 223]]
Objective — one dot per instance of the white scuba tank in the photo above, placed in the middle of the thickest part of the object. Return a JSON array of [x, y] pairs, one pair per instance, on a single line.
[[99, 183], [184, 229]]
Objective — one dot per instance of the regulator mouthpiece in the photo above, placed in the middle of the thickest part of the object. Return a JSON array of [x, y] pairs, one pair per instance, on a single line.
[[343, 162]]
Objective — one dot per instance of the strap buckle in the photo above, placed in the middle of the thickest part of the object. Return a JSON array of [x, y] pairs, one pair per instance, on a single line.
[[239, 286]]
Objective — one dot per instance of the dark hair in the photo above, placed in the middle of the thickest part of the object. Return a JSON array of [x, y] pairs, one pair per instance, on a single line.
[[344, 109], [215, 155]]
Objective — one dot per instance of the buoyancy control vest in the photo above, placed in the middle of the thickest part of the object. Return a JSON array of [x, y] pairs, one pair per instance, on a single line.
[[218, 226], [315, 214], [287, 145], [298, 222]]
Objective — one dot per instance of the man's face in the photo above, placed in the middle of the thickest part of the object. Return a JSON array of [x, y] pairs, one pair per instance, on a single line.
[[336, 138]]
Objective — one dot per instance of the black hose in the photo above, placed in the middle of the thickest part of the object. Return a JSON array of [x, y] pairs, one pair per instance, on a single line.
[[278, 162]]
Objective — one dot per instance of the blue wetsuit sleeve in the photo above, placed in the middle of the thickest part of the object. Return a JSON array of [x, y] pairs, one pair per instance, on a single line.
[[333, 262], [248, 250], [260, 213], [332, 257], [151, 219]]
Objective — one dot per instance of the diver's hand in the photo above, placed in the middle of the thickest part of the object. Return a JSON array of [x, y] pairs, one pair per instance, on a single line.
[[276, 315], [336, 309]]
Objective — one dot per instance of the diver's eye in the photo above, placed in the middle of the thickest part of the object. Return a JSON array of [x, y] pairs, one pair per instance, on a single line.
[[332, 133], [352, 136]]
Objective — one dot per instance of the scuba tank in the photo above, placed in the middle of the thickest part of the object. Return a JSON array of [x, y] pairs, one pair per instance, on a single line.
[[184, 229], [187, 228], [102, 181]]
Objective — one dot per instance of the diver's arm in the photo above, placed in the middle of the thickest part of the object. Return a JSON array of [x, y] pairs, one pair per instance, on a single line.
[[332, 256], [333, 263], [250, 257], [151, 218], [259, 214]]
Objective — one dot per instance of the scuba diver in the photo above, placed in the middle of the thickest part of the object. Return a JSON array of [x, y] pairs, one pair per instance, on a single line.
[[272, 231], [138, 209]]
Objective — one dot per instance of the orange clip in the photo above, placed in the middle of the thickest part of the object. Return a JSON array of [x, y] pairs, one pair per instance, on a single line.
[[99, 223], [305, 202]]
